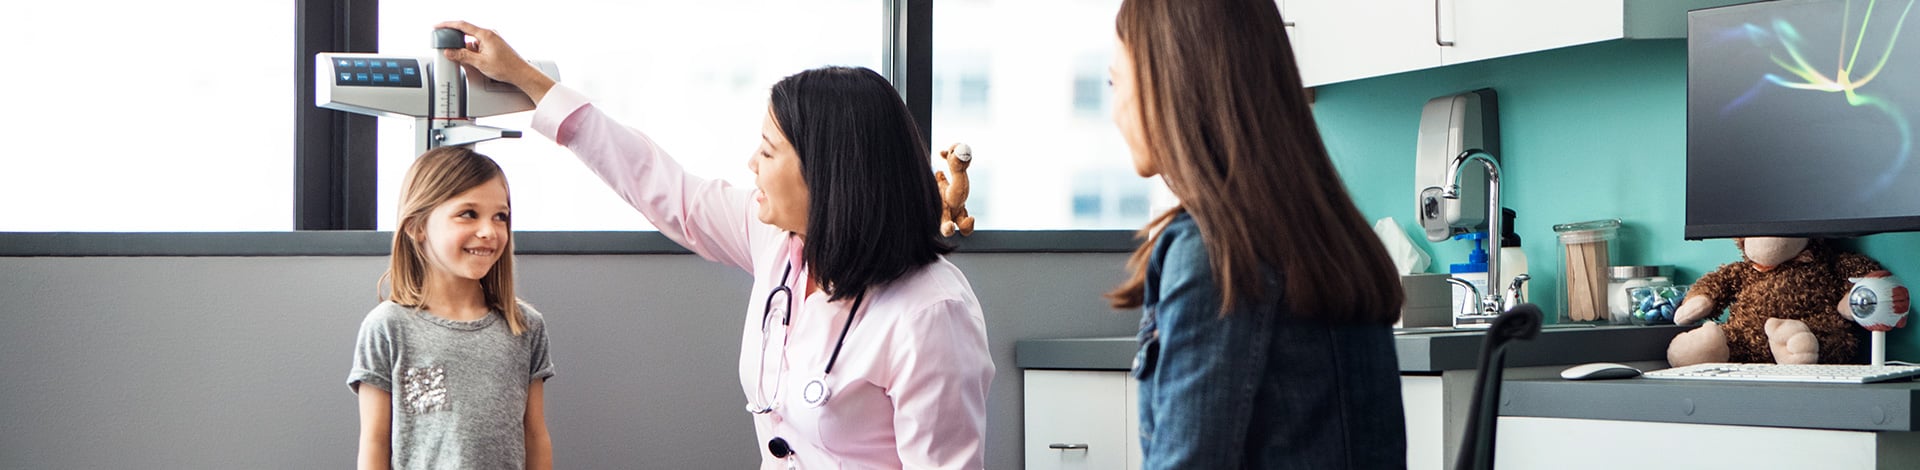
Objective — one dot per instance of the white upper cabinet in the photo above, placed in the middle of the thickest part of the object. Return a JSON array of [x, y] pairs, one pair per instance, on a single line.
[[1484, 29], [1340, 40], [1337, 40]]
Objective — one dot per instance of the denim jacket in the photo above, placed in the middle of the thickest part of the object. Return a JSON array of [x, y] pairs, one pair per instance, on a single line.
[[1257, 388]]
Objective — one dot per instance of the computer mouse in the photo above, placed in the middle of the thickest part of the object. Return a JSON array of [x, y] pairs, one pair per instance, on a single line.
[[1599, 371]]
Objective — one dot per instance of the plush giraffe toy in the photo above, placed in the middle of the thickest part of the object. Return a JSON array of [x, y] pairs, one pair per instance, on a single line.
[[953, 190]]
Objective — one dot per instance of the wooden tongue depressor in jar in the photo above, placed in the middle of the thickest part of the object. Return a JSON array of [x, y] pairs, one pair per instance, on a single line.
[[1586, 257]]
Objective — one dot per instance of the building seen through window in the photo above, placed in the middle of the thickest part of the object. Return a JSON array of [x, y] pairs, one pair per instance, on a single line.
[[1047, 155], [1109, 196]]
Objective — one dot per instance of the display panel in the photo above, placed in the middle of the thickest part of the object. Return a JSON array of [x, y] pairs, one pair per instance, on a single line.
[[394, 72]]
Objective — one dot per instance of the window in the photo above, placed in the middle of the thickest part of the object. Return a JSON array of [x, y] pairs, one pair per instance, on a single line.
[[124, 123], [693, 75], [162, 141], [960, 87], [1024, 82], [1108, 196], [1092, 96]]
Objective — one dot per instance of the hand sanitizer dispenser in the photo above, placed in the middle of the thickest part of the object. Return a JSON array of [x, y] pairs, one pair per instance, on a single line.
[[1457, 189], [1450, 125]]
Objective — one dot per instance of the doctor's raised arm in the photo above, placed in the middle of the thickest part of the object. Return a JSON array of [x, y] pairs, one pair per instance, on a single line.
[[704, 215]]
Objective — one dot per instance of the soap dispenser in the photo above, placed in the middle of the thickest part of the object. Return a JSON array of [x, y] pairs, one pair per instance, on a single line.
[[1513, 262], [1474, 272]]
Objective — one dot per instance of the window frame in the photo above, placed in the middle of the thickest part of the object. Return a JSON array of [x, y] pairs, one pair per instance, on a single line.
[[335, 207], [334, 156]]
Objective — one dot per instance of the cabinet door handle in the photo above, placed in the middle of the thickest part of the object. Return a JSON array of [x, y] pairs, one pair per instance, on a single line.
[[1442, 18], [1067, 446]]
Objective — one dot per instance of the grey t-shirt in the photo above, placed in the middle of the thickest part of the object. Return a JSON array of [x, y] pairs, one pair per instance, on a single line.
[[459, 388]]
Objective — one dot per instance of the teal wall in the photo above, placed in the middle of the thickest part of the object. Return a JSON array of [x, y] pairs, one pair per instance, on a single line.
[[1589, 132]]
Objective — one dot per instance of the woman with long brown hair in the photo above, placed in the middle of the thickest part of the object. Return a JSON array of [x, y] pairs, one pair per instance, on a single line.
[[1266, 338]]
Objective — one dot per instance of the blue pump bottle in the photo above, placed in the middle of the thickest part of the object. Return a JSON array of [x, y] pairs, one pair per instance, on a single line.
[[1474, 271]]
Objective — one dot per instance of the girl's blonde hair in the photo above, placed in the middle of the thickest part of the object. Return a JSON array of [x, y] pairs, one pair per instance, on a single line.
[[439, 175]]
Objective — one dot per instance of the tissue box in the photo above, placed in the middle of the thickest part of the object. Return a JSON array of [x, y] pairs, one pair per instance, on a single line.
[[1429, 301]]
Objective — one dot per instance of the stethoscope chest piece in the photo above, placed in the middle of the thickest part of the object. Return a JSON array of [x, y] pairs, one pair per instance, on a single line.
[[815, 393]]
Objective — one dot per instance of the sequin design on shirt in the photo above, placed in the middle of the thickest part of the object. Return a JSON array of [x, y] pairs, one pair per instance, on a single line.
[[425, 389]]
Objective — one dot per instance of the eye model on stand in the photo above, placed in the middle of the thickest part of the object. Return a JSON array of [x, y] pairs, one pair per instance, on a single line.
[[1879, 303]]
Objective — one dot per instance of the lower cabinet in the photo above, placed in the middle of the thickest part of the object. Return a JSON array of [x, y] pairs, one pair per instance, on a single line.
[[1529, 442], [1424, 400], [1081, 419], [1088, 419]]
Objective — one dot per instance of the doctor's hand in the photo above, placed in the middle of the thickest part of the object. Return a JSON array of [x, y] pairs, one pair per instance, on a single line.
[[491, 55]]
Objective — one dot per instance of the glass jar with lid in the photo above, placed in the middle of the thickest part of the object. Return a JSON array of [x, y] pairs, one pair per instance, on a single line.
[[1621, 278], [1586, 251]]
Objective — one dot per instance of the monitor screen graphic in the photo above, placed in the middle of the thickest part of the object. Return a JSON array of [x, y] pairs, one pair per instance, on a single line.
[[1801, 119]]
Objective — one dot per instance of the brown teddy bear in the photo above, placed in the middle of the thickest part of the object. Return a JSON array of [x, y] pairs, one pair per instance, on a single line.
[[953, 191], [1782, 297]]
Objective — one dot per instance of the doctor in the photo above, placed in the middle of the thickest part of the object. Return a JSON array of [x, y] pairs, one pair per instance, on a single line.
[[861, 346]]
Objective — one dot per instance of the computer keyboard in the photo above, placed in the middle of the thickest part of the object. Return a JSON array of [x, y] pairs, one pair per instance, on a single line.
[[1818, 373]]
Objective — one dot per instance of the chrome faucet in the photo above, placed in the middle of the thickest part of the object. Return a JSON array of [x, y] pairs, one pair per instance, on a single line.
[[1473, 289], [1513, 290], [1490, 302]]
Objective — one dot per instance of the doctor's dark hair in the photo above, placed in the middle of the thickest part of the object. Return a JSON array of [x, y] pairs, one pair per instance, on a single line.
[[873, 209], [1227, 123]]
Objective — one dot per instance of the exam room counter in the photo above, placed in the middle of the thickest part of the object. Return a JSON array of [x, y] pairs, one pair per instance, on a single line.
[[1077, 386], [1655, 423]]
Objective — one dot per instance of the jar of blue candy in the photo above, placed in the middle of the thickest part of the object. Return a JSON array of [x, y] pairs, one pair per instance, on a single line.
[[1620, 278], [1656, 304]]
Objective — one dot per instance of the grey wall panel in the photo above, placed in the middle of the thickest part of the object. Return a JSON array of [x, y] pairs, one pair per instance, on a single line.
[[211, 362]]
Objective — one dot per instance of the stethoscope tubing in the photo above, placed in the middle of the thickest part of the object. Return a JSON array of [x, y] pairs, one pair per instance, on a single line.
[[786, 318]]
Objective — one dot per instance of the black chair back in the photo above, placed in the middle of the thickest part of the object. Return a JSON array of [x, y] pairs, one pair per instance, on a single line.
[[1476, 445]]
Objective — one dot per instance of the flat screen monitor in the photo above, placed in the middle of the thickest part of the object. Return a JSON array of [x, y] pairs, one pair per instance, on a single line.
[[1801, 119]]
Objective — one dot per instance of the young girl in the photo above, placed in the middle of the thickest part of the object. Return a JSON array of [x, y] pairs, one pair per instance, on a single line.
[[450, 367], [1266, 340]]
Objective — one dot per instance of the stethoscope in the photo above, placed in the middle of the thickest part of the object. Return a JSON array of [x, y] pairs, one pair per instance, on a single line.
[[815, 393]]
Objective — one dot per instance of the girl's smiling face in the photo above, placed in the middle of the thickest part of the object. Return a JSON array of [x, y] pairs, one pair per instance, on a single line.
[[464, 236]]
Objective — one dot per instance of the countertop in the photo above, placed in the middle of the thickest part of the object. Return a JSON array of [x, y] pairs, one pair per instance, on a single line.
[[1886, 406], [1421, 350]]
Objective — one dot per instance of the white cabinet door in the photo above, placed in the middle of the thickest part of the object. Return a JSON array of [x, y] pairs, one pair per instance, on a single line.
[[1286, 18], [1133, 425], [1095, 415], [1581, 444], [1077, 420], [1340, 40], [1424, 400], [1484, 29]]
